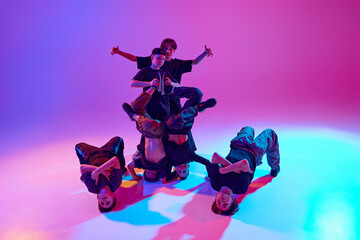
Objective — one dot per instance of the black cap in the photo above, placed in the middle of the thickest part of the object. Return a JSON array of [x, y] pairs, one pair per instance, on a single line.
[[158, 51]]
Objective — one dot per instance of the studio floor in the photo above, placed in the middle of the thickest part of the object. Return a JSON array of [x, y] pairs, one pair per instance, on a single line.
[[315, 196]]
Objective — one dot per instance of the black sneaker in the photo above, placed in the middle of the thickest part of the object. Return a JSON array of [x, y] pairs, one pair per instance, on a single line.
[[211, 102], [127, 108], [274, 172]]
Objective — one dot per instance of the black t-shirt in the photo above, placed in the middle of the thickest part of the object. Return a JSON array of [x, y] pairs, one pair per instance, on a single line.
[[178, 153], [237, 182], [143, 62], [160, 101], [175, 66], [163, 168], [236, 155], [114, 183], [98, 158]]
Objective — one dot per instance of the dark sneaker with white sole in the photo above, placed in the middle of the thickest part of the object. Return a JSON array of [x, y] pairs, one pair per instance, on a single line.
[[211, 102]]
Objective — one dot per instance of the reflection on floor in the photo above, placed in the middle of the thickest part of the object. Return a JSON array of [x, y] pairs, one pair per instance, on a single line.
[[315, 196]]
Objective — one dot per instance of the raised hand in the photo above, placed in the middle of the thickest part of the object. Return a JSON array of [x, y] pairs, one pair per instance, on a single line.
[[115, 50], [209, 52]]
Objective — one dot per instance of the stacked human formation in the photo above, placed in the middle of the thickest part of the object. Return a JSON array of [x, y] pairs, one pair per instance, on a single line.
[[166, 146]]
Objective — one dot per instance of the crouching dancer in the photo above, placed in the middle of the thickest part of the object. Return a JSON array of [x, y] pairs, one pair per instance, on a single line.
[[102, 169], [236, 171]]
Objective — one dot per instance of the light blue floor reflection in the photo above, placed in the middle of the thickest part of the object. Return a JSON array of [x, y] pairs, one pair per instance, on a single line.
[[315, 196], [317, 190]]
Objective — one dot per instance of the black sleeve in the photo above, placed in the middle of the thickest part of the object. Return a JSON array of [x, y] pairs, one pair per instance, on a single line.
[[171, 77], [120, 153], [115, 179], [139, 164], [214, 175], [141, 75], [165, 172], [199, 159], [186, 66], [143, 62], [90, 183]]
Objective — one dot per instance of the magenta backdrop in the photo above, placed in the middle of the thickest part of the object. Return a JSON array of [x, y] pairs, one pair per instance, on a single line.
[[276, 63]]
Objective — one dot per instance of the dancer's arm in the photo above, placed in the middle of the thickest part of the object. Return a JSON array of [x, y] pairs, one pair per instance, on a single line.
[[217, 159], [207, 53], [131, 169], [171, 83], [111, 163], [137, 84], [241, 166], [84, 168], [128, 56]]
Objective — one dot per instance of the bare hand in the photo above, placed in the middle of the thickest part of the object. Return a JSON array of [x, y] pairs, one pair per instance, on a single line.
[[208, 51], [245, 166], [214, 159], [115, 50], [155, 82], [167, 81]]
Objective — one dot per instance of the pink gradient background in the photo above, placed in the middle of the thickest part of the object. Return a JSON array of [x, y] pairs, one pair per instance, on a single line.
[[276, 63], [290, 65]]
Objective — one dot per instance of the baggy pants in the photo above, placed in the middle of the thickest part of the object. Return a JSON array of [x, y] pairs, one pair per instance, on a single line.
[[265, 143], [180, 123], [115, 146]]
